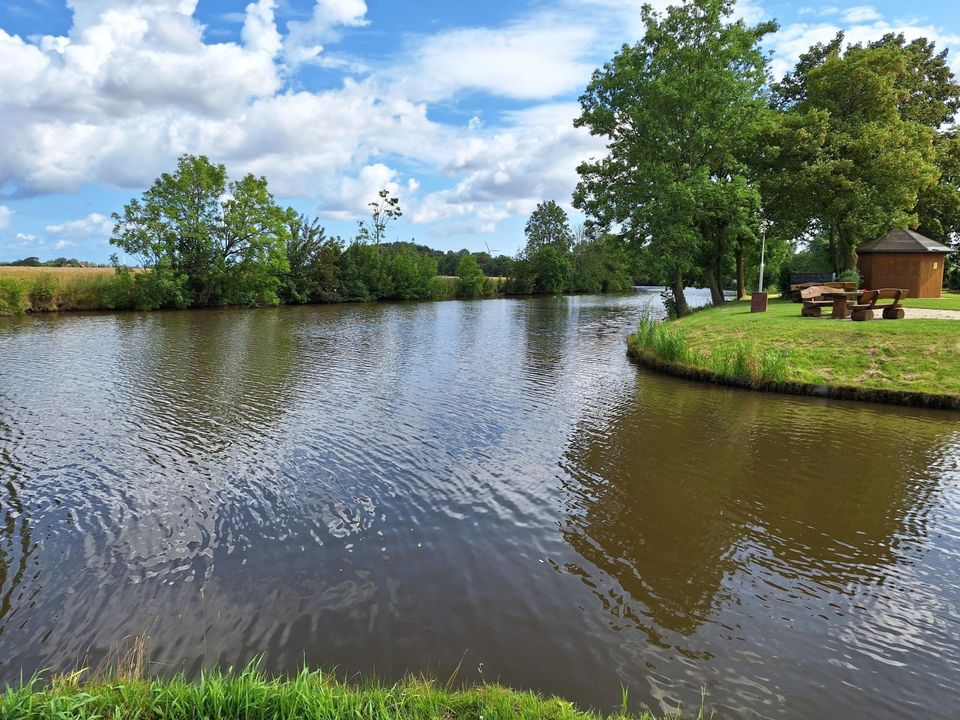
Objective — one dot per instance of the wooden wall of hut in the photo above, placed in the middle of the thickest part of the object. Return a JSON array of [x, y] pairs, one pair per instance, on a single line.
[[920, 273]]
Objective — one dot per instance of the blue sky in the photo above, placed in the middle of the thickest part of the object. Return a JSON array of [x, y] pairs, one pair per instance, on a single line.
[[462, 109]]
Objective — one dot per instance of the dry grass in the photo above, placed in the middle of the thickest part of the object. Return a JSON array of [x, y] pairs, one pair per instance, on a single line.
[[60, 273]]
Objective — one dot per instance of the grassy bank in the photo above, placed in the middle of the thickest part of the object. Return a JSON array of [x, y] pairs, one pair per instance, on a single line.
[[253, 696], [41, 289], [780, 346]]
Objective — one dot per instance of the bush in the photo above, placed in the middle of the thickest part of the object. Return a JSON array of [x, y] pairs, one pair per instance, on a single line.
[[472, 282], [11, 296], [43, 292]]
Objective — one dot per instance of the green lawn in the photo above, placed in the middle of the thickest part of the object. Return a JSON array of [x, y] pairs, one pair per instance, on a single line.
[[912, 355], [949, 301]]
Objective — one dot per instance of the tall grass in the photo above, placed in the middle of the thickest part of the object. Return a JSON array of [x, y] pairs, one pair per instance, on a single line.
[[250, 695], [20, 272], [665, 341]]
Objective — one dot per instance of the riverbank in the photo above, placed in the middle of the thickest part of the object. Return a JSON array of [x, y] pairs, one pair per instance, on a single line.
[[904, 362], [42, 289], [253, 696]]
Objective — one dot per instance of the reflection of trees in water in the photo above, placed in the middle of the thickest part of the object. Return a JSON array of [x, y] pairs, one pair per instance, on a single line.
[[216, 376], [689, 485], [16, 544]]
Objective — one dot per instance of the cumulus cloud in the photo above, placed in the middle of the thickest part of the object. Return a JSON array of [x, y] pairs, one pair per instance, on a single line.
[[5, 215], [794, 39], [305, 39], [93, 224]]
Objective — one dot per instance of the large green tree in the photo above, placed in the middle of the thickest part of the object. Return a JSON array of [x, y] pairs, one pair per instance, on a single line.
[[548, 225], [677, 110], [223, 240], [856, 153]]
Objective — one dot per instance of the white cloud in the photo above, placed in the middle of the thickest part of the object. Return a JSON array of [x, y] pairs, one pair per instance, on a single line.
[[538, 58], [861, 13], [26, 237], [794, 39], [5, 215], [93, 225], [305, 39]]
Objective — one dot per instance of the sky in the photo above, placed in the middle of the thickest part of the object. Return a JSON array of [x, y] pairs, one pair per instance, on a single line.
[[463, 110]]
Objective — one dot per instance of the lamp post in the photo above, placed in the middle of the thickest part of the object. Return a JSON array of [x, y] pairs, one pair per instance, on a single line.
[[763, 251], [758, 300]]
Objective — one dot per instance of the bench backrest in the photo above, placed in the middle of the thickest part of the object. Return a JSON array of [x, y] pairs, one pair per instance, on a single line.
[[869, 297], [895, 293]]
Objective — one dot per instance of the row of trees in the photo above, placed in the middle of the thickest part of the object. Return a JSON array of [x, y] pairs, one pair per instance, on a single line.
[[207, 240], [59, 262], [705, 152]]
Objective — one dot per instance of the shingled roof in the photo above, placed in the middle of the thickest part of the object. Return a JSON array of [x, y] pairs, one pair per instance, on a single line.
[[903, 241]]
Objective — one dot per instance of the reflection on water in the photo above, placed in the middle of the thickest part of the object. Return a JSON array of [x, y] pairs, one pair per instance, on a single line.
[[421, 487]]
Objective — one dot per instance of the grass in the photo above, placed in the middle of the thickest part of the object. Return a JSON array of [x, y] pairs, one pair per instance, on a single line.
[[62, 274], [250, 695], [782, 346], [54, 289], [949, 301]]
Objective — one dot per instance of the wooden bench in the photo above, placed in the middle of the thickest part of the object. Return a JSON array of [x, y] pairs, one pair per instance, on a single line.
[[813, 301], [868, 303]]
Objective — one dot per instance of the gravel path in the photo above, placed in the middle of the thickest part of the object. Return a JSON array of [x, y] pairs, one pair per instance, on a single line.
[[923, 314]]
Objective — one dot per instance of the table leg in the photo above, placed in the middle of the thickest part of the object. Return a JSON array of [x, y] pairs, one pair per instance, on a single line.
[[839, 308]]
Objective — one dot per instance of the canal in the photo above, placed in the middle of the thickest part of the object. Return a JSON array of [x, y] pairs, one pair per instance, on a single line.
[[488, 490]]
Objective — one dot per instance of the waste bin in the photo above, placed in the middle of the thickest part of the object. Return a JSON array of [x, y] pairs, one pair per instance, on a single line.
[[758, 302]]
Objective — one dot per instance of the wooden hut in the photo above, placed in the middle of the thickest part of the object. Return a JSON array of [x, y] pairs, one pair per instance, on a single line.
[[903, 259]]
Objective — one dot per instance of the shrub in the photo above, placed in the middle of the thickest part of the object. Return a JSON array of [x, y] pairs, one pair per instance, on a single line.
[[472, 282], [11, 296], [43, 292]]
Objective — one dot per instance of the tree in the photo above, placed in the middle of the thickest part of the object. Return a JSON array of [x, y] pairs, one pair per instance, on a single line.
[[382, 211], [312, 259], [857, 147], [548, 225], [222, 241], [472, 282], [678, 110], [551, 268]]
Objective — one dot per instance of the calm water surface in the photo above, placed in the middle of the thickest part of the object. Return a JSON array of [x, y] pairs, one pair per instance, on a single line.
[[485, 485]]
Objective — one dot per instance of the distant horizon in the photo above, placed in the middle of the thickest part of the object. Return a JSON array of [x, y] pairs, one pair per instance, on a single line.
[[465, 113]]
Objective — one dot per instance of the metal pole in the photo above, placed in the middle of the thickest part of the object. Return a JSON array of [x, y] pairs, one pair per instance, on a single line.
[[763, 251]]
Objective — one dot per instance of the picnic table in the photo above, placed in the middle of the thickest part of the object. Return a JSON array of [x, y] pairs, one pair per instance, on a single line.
[[817, 297], [857, 304], [840, 300]]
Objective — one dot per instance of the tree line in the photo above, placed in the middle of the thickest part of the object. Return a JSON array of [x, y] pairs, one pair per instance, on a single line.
[[206, 240], [707, 154]]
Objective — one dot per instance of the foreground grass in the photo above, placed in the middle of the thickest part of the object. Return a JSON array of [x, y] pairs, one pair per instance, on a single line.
[[252, 696], [782, 346]]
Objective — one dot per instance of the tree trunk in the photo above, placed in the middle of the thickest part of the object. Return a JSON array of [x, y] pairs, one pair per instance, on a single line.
[[681, 301], [741, 283], [713, 282]]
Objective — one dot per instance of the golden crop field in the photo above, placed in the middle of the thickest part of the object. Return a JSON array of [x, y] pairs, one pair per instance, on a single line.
[[60, 273]]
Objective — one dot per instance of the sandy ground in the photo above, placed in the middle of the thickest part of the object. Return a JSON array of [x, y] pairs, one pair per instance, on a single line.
[[921, 314]]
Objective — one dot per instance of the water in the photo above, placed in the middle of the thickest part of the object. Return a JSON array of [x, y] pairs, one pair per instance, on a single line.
[[489, 486]]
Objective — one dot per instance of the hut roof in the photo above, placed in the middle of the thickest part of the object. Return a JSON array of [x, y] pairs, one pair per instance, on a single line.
[[903, 241]]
